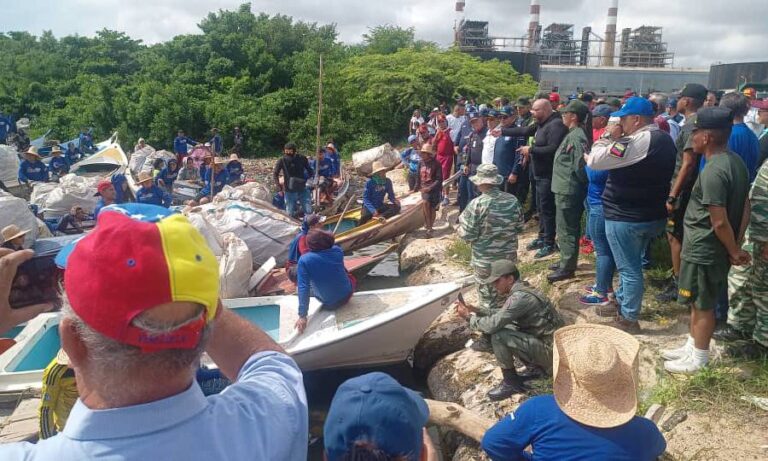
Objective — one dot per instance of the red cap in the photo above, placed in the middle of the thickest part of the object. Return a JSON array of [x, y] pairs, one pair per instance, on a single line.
[[103, 185], [554, 97], [137, 258], [760, 104]]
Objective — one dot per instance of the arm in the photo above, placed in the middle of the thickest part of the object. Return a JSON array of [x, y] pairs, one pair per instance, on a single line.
[[391, 192], [555, 134], [610, 155], [718, 215], [469, 222], [276, 174], [9, 318], [687, 166], [437, 174], [310, 171], [234, 340], [744, 221], [367, 197], [517, 306], [22, 175], [303, 284], [166, 197], [519, 131], [507, 439]]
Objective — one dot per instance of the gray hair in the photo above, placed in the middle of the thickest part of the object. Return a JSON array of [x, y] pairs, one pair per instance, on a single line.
[[116, 363], [661, 99], [737, 102]]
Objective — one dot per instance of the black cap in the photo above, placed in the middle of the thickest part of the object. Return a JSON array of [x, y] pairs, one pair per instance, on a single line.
[[523, 101], [695, 91], [587, 97], [291, 146], [713, 118], [542, 95]]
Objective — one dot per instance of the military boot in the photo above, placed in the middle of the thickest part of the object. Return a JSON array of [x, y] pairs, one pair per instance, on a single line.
[[511, 385], [482, 344]]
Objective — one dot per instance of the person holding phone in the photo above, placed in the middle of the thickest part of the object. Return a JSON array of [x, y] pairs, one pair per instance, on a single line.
[[10, 261]]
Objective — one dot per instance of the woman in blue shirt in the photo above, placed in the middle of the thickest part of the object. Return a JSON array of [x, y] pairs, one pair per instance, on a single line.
[[168, 175], [597, 294]]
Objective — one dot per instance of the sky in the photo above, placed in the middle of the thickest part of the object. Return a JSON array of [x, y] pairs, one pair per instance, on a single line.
[[699, 32]]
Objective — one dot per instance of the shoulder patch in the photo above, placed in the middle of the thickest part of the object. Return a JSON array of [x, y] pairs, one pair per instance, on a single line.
[[618, 149]]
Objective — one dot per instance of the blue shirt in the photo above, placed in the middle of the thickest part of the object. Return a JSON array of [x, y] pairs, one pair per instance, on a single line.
[[234, 170], [221, 179], [6, 127], [99, 205], [373, 195], [411, 158], [263, 415], [745, 144], [326, 167], [325, 273], [335, 162], [541, 423], [154, 196], [58, 166], [216, 143], [180, 144], [72, 155], [167, 177], [33, 171], [597, 180], [86, 141]]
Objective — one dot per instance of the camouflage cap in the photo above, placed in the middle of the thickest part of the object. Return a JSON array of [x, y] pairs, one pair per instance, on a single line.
[[487, 173], [498, 270], [576, 107]]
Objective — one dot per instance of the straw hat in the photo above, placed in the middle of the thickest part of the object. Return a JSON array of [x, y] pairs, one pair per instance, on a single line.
[[144, 177], [233, 158], [11, 232], [487, 173], [219, 161], [595, 368], [32, 151], [378, 167], [55, 149], [427, 148]]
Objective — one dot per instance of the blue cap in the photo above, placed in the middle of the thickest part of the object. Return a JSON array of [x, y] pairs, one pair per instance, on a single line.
[[473, 115], [507, 110], [635, 106], [484, 111], [493, 113], [412, 138], [602, 110], [672, 102], [377, 409]]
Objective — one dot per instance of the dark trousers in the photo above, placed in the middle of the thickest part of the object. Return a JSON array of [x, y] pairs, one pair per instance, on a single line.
[[546, 208], [386, 211], [466, 193], [532, 184], [569, 211]]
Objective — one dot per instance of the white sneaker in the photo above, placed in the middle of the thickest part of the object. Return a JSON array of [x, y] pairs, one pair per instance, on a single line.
[[687, 365], [676, 354]]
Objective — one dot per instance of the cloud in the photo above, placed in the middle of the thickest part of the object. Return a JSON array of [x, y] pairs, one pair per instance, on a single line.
[[713, 31]]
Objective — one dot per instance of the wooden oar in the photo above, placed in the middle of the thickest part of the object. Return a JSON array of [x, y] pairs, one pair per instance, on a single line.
[[341, 216]]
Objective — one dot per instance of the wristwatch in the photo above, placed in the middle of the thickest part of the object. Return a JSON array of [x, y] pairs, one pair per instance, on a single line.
[[671, 200]]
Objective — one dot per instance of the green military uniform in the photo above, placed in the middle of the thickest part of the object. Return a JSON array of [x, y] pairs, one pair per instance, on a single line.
[[491, 224], [569, 184], [724, 182], [522, 328], [748, 285]]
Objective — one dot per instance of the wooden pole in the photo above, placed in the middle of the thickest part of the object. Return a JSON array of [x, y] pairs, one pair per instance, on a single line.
[[458, 418], [319, 124], [341, 216]]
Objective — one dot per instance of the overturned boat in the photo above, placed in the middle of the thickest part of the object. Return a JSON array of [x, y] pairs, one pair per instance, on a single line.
[[374, 328]]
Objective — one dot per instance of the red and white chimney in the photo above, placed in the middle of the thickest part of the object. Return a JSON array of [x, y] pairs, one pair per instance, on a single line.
[[609, 49], [533, 26]]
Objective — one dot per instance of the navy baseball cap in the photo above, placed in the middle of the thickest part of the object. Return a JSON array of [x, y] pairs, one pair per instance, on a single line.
[[376, 409], [602, 110], [635, 106], [507, 110]]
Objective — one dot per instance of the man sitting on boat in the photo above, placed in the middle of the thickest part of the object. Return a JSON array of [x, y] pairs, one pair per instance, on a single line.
[[322, 271], [373, 417], [522, 328], [189, 172], [299, 245], [134, 336], [72, 154], [150, 194], [32, 169], [168, 175], [592, 414], [215, 180], [106, 192], [323, 166], [377, 188], [235, 170], [58, 166]]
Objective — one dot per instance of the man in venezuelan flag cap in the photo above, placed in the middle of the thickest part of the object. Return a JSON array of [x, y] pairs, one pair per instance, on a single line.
[[141, 306]]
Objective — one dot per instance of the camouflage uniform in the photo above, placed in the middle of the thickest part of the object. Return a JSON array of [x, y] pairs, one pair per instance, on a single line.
[[491, 224], [522, 328], [748, 285]]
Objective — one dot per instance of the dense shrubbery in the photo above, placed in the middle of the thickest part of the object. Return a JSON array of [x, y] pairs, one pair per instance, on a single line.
[[255, 71]]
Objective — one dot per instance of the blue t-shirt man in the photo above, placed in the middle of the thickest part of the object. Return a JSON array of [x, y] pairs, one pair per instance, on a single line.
[[33, 171], [153, 195], [323, 271], [410, 158], [376, 190], [58, 166], [180, 144], [540, 423], [745, 144], [234, 171], [325, 169], [219, 181]]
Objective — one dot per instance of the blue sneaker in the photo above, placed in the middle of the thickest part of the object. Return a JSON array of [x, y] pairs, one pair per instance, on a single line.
[[594, 299]]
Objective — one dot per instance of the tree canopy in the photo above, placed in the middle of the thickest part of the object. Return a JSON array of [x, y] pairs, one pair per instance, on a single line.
[[255, 71]]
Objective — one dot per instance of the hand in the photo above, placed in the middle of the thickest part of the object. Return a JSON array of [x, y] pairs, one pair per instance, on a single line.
[[670, 208], [616, 132], [466, 170], [9, 261], [376, 214], [462, 311], [525, 151], [429, 447], [281, 193], [496, 133], [512, 179], [741, 258], [301, 324]]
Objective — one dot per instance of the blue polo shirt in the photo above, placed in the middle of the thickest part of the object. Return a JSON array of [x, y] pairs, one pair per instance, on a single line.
[[326, 167], [167, 176], [374, 194], [263, 415], [410, 158], [324, 272], [154, 196], [180, 144], [58, 165], [540, 423], [744, 143], [234, 170], [221, 179], [33, 171]]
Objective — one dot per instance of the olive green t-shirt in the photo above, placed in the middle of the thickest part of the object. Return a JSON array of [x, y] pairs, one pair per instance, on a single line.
[[683, 143], [724, 182]]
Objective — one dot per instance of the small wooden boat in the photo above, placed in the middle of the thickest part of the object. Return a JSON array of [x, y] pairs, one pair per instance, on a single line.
[[278, 283], [374, 328]]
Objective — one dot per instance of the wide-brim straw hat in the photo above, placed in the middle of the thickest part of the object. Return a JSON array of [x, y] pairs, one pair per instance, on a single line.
[[233, 157], [427, 148], [55, 149], [12, 232], [144, 177], [595, 369], [487, 173], [32, 151], [378, 167], [219, 161]]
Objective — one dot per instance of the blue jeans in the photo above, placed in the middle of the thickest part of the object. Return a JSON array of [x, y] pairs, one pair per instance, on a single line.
[[466, 191], [628, 240], [606, 266], [587, 217], [292, 197]]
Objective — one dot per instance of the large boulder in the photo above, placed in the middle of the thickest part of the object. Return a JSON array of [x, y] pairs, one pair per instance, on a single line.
[[386, 154], [448, 333], [420, 252]]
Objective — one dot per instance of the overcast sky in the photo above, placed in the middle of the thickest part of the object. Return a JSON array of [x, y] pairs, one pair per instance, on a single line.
[[699, 32]]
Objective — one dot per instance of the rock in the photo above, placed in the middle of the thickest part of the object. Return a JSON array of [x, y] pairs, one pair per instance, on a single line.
[[655, 412], [447, 334], [469, 450], [420, 252], [677, 417], [386, 154], [399, 178]]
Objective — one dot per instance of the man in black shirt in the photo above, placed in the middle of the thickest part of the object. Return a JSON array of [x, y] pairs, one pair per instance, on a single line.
[[296, 171]]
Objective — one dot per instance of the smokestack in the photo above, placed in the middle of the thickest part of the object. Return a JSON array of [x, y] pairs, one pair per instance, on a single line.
[[533, 26], [609, 51]]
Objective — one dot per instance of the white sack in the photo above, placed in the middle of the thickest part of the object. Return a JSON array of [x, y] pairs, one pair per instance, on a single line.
[[56, 200], [247, 191], [139, 157], [16, 211], [235, 268], [386, 154], [9, 166], [211, 235]]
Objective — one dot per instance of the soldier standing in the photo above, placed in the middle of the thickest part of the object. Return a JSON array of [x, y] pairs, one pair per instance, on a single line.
[[521, 329], [490, 224], [569, 184]]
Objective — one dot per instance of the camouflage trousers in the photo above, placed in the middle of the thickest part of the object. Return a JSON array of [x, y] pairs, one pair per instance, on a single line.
[[487, 295], [508, 344], [748, 295]]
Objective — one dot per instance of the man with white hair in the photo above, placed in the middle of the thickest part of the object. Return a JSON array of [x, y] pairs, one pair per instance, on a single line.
[[136, 320]]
